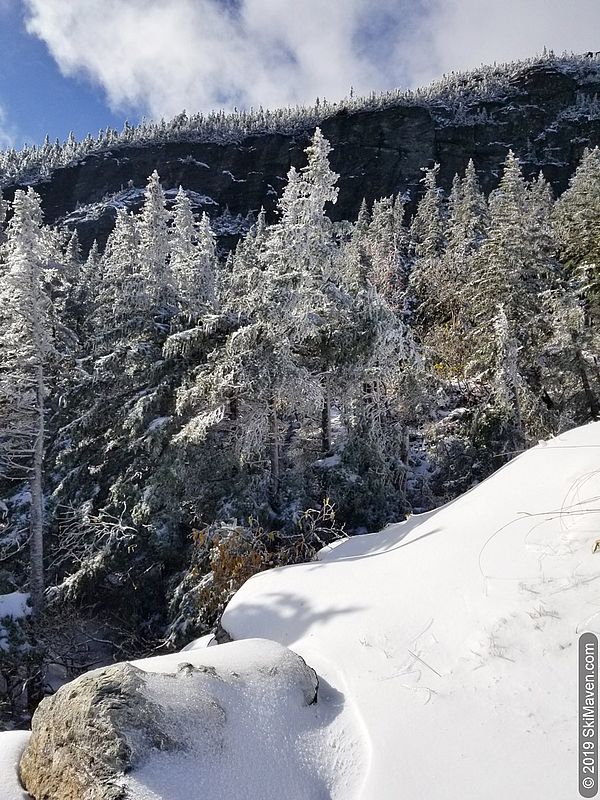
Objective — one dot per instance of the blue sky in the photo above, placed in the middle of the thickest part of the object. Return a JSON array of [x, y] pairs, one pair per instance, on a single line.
[[35, 98], [84, 64]]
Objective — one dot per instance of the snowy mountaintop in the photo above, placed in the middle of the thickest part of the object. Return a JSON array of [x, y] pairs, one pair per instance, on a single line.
[[451, 96]]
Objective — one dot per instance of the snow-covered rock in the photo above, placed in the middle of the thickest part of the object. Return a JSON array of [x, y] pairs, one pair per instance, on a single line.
[[175, 727], [94, 729]]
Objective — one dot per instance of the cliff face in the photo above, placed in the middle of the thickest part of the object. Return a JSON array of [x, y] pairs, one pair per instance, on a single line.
[[544, 117]]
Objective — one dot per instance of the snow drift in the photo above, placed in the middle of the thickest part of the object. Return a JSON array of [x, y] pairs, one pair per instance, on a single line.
[[454, 633]]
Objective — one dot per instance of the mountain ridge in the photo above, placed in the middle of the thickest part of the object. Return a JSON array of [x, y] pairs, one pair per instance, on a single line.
[[547, 113]]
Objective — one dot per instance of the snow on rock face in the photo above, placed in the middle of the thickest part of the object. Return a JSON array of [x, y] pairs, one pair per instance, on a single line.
[[454, 634]]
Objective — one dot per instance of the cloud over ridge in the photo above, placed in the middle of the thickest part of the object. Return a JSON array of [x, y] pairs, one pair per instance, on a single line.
[[160, 56]]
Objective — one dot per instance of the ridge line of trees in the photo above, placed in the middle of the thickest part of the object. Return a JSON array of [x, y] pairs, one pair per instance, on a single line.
[[458, 97], [378, 367]]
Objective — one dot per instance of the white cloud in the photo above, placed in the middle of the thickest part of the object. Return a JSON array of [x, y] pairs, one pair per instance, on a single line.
[[160, 56], [466, 33], [164, 56]]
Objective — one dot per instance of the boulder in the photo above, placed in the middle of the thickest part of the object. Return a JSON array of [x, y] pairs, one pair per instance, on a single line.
[[94, 730], [92, 738]]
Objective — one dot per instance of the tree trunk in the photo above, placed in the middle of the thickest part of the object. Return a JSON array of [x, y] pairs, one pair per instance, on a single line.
[[519, 442], [326, 418], [587, 389], [36, 543], [274, 446]]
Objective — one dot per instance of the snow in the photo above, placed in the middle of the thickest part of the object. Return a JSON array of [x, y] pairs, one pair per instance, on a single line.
[[196, 199], [127, 199], [453, 634], [198, 644], [232, 176], [156, 423], [329, 462], [11, 747], [191, 160], [446, 648], [271, 743], [12, 606]]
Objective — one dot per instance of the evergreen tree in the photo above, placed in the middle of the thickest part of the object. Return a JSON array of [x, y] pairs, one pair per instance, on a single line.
[[427, 230], [513, 266], [27, 328], [427, 241], [3, 210], [154, 250], [193, 259], [124, 294], [577, 225], [387, 246], [72, 259], [207, 261]]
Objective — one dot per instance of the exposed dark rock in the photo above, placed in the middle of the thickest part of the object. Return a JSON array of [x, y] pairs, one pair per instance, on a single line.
[[377, 153]]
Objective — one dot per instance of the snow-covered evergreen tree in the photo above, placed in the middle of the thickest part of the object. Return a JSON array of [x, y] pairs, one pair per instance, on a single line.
[[27, 328], [207, 261], [387, 244], [506, 264], [427, 241], [125, 292], [193, 259], [577, 226], [153, 226]]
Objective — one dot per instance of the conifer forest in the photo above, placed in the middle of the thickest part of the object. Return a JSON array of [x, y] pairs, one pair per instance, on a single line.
[[176, 416]]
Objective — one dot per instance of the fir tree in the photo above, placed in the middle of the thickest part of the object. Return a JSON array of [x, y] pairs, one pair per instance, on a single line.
[[27, 326], [154, 250]]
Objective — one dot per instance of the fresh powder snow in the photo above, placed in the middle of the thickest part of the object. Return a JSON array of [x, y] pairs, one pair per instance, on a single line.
[[12, 745], [454, 634], [13, 606], [446, 647], [272, 744]]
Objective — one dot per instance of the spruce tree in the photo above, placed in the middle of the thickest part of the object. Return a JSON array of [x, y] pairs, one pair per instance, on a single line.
[[153, 226], [27, 326]]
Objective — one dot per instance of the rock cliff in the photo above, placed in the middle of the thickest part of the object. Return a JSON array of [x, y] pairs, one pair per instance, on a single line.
[[546, 115]]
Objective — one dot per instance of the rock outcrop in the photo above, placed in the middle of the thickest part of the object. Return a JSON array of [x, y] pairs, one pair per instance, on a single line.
[[93, 730], [376, 152]]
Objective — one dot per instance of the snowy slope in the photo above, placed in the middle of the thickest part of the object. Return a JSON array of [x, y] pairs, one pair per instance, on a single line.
[[446, 648], [454, 634]]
